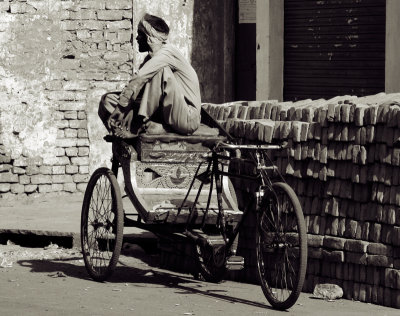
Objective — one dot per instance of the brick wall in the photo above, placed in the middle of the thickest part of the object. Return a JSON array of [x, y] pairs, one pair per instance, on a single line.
[[59, 57], [342, 163]]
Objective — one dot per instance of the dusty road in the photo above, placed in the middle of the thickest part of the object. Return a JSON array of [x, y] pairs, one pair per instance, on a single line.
[[53, 281]]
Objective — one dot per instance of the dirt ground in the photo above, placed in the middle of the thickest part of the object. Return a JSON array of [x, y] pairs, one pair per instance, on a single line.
[[53, 281]]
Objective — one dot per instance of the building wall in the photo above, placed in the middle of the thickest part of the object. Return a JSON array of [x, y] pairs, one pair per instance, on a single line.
[[57, 58]]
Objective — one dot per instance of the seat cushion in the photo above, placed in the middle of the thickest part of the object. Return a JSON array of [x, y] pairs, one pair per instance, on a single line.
[[176, 147]]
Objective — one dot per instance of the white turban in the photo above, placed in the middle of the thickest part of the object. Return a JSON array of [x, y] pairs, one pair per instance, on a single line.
[[153, 36]]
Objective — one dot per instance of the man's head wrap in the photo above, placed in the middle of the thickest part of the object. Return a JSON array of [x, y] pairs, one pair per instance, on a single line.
[[155, 28]]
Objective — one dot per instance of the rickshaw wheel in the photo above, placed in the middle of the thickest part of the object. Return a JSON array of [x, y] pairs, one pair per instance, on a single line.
[[102, 224]]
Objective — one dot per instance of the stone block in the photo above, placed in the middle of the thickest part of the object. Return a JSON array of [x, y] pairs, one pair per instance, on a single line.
[[78, 178], [81, 187], [8, 177], [41, 179], [31, 170], [334, 242], [356, 258], [83, 151], [380, 261], [62, 178], [82, 133], [333, 256], [70, 133], [84, 169], [5, 187], [17, 188], [30, 188], [110, 15], [356, 246], [71, 169], [24, 179], [71, 151], [69, 187], [45, 169], [80, 161]]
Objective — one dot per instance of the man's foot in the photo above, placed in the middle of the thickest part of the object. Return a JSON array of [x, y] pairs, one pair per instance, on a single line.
[[126, 134], [155, 128]]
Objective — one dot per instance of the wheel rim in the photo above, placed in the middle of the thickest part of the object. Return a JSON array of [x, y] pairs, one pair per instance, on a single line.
[[278, 251], [100, 228]]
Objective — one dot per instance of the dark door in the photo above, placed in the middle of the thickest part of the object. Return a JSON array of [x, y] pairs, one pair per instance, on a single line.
[[333, 47], [245, 59]]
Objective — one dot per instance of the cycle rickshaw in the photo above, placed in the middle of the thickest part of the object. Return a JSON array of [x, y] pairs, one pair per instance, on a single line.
[[183, 185]]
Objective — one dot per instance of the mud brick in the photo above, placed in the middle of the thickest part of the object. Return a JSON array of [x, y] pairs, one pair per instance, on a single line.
[[379, 249], [297, 151], [375, 232], [331, 168], [356, 154], [396, 157], [330, 115], [348, 288], [234, 110], [323, 172], [315, 241], [274, 112], [242, 112], [345, 110], [351, 228], [355, 174], [364, 230], [336, 243], [345, 269], [315, 253], [375, 295], [310, 168], [332, 224], [387, 234], [390, 214], [346, 190], [344, 205], [356, 258], [356, 246], [387, 297], [253, 112], [285, 129], [323, 116], [324, 136], [371, 154], [316, 206], [358, 136], [323, 156], [382, 153], [331, 151], [314, 226], [282, 115], [341, 227], [395, 299], [311, 150], [268, 110], [359, 114], [396, 236]]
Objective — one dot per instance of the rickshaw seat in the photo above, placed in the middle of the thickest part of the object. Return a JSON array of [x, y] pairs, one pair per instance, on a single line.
[[171, 146]]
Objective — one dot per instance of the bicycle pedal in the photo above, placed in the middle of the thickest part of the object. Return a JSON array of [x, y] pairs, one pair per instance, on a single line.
[[235, 263]]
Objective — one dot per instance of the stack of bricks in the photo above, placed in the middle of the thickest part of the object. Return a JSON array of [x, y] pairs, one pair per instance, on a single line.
[[341, 158], [96, 57]]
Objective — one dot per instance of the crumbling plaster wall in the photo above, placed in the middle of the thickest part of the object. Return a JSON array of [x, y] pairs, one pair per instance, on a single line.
[[57, 57]]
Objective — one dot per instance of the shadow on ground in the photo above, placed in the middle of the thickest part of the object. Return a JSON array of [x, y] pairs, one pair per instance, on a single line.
[[140, 272]]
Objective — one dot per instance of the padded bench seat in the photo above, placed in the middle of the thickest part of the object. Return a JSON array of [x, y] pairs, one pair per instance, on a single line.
[[173, 147]]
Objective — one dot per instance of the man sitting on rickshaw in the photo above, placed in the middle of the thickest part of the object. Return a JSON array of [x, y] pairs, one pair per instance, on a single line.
[[165, 92]]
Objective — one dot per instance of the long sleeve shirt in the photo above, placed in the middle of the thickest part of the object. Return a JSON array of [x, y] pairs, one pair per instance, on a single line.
[[166, 56]]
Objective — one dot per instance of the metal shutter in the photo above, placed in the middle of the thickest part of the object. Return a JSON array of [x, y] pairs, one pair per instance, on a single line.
[[333, 47]]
